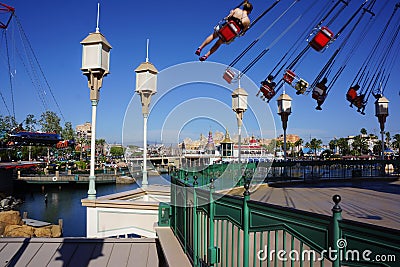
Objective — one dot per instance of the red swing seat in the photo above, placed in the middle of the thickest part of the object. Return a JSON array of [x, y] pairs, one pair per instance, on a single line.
[[351, 95], [318, 94], [229, 75], [321, 39], [289, 76], [267, 91], [229, 31]]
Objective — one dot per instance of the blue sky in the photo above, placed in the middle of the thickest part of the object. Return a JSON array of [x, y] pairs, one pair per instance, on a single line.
[[175, 30]]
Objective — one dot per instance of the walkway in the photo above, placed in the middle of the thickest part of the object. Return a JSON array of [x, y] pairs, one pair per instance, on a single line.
[[79, 252], [368, 202]]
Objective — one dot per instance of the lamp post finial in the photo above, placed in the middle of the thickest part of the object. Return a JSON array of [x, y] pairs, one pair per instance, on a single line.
[[98, 18]]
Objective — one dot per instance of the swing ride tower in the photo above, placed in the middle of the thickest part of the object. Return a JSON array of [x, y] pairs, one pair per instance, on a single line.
[[95, 66]]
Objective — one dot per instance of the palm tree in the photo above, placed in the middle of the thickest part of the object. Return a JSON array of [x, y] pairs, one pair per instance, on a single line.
[[388, 138], [315, 144], [290, 146], [396, 142], [377, 149], [333, 144], [360, 144], [343, 145], [279, 143], [363, 131], [298, 143]]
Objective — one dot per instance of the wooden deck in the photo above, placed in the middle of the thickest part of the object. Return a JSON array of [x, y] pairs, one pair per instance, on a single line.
[[364, 201], [78, 252]]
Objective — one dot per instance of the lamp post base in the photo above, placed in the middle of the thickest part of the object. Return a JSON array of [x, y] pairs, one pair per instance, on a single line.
[[92, 189]]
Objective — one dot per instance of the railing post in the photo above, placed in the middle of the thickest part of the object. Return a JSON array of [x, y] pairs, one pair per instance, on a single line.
[[337, 216], [195, 222], [213, 252], [246, 219], [185, 214], [173, 198]]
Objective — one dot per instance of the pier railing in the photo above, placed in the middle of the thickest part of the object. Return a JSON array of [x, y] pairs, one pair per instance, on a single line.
[[290, 171], [225, 230], [64, 178]]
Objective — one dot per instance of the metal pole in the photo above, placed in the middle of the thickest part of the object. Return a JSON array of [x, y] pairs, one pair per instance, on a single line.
[[144, 182], [284, 118], [284, 144], [246, 219], [239, 123], [212, 250], [383, 144], [337, 216], [240, 144], [195, 224], [92, 181]]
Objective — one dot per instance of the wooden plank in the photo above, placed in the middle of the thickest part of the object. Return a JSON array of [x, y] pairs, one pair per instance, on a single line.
[[64, 254], [2, 245], [120, 254], [27, 255], [101, 254], [139, 254], [173, 252], [82, 254], [152, 259], [8, 252], [45, 253]]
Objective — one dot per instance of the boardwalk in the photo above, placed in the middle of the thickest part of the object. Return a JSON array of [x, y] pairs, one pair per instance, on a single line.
[[368, 202], [79, 252]]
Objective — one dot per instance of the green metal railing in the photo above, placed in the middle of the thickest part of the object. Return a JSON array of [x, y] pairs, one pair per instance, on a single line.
[[224, 230], [231, 175]]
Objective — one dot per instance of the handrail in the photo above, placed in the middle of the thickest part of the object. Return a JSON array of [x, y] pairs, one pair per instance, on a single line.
[[269, 228]]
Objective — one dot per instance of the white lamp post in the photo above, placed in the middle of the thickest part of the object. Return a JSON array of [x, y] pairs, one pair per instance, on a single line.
[[146, 86], [382, 111], [239, 105], [95, 66], [284, 110]]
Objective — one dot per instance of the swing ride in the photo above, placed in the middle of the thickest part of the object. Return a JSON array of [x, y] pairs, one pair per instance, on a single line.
[[229, 74], [18, 136], [374, 74], [372, 77]]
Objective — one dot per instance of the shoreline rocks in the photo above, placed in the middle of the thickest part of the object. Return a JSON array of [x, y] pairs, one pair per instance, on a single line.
[[9, 203], [11, 225]]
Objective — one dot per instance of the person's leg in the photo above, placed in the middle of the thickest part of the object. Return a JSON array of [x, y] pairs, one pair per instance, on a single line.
[[363, 109], [207, 41], [212, 50]]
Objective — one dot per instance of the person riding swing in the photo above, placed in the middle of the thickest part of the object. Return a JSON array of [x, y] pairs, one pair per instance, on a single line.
[[351, 94], [237, 23], [355, 99], [267, 88], [319, 92]]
